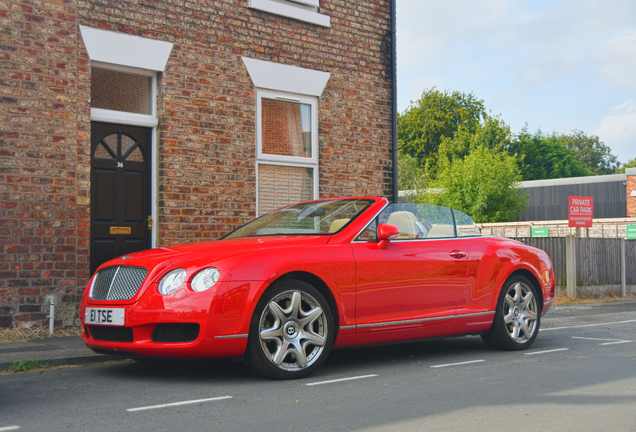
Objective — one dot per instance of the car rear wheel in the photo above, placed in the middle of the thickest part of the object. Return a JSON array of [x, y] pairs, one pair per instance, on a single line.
[[517, 318], [291, 332]]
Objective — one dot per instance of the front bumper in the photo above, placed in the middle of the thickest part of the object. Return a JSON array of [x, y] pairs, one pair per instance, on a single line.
[[143, 345], [221, 319]]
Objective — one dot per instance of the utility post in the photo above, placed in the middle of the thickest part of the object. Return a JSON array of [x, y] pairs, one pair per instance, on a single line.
[[570, 263], [623, 270]]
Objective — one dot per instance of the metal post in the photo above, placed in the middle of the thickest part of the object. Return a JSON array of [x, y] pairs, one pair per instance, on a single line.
[[51, 316], [570, 262], [623, 270]]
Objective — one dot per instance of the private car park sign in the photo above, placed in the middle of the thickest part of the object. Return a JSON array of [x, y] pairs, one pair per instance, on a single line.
[[580, 212]]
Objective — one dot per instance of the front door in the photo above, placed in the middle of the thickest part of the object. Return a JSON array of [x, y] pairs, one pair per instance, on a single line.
[[120, 191]]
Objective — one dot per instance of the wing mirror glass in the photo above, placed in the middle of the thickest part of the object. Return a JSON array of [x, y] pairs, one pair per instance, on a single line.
[[386, 233]]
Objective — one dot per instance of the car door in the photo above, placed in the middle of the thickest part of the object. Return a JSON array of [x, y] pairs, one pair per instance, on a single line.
[[411, 282]]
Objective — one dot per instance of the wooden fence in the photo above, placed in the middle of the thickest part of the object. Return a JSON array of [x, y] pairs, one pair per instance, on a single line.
[[602, 265]]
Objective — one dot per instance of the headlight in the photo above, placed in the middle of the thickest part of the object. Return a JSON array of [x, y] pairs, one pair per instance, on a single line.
[[172, 281], [205, 279]]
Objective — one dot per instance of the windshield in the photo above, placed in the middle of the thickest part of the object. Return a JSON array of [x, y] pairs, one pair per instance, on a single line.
[[314, 218]]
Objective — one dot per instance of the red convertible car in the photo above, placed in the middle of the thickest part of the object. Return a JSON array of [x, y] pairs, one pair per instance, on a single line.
[[282, 290]]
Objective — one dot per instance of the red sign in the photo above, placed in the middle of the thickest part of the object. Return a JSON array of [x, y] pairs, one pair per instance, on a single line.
[[580, 213]]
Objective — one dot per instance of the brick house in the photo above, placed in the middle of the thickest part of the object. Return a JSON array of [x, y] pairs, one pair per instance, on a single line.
[[134, 124]]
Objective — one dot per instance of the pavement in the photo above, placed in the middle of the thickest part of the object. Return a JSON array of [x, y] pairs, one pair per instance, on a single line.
[[70, 350], [54, 351]]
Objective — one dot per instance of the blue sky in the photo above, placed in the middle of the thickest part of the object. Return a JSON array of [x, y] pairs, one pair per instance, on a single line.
[[558, 65]]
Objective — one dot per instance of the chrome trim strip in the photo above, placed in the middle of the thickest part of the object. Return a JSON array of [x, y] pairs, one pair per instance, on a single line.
[[549, 302], [347, 327], [390, 323], [423, 239], [236, 336], [428, 239]]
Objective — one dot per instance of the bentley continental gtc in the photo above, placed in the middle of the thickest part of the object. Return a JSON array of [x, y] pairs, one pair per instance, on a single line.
[[281, 291]]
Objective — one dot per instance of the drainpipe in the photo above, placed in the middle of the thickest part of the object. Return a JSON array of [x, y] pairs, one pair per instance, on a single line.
[[51, 315], [394, 94]]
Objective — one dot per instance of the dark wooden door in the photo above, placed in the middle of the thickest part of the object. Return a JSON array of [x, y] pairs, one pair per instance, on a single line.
[[120, 191]]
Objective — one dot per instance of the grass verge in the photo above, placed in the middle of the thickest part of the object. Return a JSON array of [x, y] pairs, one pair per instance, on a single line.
[[27, 365], [567, 300]]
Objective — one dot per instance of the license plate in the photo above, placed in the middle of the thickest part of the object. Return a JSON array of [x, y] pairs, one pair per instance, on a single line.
[[105, 316]]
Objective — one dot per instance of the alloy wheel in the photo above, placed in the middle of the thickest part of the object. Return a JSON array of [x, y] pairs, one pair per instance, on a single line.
[[520, 312], [293, 330]]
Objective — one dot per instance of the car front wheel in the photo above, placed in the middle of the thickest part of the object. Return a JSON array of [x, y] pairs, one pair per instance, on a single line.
[[291, 332], [517, 317]]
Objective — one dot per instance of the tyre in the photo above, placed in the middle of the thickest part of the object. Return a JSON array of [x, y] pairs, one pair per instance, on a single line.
[[291, 332], [517, 317]]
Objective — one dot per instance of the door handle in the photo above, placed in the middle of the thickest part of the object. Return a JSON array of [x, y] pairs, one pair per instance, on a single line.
[[149, 222], [457, 254]]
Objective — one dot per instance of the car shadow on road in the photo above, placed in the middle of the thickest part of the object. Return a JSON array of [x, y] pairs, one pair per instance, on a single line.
[[340, 361], [429, 350], [181, 370]]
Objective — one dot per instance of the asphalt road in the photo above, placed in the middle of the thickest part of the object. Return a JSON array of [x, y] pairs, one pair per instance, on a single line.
[[580, 375]]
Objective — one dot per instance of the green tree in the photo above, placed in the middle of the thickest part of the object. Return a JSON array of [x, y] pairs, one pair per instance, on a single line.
[[590, 152], [493, 134], [545, 157], [435, 116], [410, 177], [484, 185], [629, 164]]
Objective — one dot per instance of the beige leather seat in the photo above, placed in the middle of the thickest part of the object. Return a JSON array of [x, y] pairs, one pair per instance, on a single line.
[[405, 221], [438, 231], [337, 224]]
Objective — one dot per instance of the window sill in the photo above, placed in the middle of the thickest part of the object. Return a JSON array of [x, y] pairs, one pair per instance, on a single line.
[[289, 10]]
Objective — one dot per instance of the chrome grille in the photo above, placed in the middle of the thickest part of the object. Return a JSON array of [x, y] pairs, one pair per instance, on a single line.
[[117, 283]]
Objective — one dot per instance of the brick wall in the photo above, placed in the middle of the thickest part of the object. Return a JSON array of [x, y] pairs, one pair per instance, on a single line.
[[631, 200], [206, 133], [43, 236], [207, 101]]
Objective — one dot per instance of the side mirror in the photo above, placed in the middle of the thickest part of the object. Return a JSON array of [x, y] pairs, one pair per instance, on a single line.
[[386, 233]]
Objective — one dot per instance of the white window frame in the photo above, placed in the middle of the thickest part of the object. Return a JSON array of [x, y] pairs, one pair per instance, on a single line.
[[301, 10], [123, 117], [291, 161]]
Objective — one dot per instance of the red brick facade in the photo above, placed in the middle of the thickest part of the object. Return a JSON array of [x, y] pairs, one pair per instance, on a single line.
[[206, 135], [631, 187], [44, 133]]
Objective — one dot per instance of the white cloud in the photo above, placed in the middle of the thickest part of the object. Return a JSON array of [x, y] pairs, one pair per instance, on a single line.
[[417, 85], [426, 29], [617, 58], [618, 130]]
